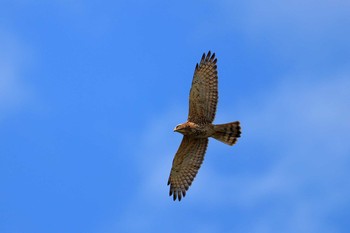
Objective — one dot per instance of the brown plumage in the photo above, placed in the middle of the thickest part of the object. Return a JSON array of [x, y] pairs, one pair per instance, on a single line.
[[199, 127]]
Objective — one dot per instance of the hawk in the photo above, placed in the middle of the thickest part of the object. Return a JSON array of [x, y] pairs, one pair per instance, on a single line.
[[199, 127]]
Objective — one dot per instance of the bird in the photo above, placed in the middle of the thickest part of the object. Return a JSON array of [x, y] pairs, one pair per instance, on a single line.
[[199, 127]]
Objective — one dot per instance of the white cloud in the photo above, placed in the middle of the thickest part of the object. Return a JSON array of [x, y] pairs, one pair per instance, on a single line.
[[306, 125], [14, 59], [302, 33], [310, 16]]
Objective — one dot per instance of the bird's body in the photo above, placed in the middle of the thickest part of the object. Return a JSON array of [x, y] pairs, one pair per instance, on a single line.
[[195, 130], [199, 127]]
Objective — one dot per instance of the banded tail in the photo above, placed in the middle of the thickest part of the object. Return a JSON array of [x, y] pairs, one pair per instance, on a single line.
[[227, 133]]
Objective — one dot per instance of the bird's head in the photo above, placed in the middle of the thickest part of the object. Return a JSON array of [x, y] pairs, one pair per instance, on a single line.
[[185, 128], [181, 128]]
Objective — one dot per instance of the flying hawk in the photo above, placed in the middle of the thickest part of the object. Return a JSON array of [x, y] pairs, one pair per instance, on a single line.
[[199, 127]]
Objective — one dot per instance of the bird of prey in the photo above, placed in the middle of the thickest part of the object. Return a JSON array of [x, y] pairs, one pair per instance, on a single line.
[[199, 127]]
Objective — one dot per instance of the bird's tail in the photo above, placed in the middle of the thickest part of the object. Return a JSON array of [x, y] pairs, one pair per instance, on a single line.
[[227, 133]]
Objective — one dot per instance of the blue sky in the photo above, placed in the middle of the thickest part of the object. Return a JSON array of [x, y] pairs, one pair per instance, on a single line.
[[90, 92]]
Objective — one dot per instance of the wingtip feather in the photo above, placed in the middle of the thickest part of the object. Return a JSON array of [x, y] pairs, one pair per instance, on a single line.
[[212, 57], [208, 56]]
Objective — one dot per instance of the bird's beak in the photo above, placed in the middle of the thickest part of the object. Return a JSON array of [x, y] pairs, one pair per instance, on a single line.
[[175, 129]]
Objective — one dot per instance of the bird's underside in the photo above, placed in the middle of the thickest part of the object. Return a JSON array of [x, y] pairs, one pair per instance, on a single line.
[[199, 127]]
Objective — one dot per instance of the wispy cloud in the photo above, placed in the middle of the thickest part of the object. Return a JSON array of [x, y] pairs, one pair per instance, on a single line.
[[304, 124], [309, 16], [14, 59], [303, 33]]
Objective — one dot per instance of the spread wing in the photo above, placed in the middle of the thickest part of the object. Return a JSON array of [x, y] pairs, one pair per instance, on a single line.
[[204, 91], [186, 164]]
